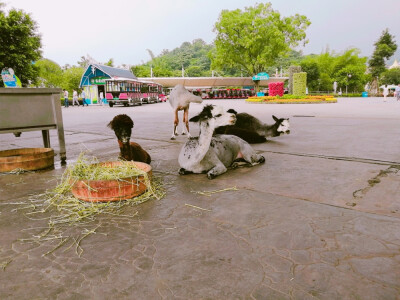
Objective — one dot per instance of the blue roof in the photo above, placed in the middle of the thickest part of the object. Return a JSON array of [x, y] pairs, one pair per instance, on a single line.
[[95, 70], [115, 72]]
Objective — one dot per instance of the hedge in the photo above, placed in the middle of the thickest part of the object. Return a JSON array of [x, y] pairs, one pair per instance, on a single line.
[[299, 83]]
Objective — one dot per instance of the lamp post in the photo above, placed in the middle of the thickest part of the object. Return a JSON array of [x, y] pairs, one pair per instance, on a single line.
[[347, 81]]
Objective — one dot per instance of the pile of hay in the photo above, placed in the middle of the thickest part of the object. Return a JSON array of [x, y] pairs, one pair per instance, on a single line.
[[63, 210]]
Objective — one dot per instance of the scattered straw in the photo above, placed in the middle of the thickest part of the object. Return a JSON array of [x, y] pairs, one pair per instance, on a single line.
[[209, 193], [4, 264], [16, 171], [194, 206]]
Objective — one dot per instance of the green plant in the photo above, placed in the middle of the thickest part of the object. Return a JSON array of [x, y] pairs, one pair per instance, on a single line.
[[299, 83]]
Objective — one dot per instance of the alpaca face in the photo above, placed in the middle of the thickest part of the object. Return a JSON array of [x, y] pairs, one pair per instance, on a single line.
[[122, 126], [123, 134], [215, 115], [284, 127]]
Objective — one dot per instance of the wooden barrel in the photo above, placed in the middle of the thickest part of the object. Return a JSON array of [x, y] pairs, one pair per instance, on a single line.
[[28, 159], [112, 190]]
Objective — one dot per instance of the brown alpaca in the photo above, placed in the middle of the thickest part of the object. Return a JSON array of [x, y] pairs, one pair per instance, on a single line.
[[122, 126]]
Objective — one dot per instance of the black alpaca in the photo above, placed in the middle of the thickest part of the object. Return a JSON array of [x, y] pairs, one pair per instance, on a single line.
[[252, 130], [122, 126]]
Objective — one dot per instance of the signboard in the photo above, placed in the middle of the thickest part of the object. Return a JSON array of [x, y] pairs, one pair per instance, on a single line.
[[98, 80], [9, 78], [261, 76]]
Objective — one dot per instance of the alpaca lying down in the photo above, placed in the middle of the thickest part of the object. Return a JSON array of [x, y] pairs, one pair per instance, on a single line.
[[214, 154], [252, 130], [122, 126]]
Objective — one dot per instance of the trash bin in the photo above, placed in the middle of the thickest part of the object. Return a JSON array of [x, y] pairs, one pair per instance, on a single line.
[[364, 94]]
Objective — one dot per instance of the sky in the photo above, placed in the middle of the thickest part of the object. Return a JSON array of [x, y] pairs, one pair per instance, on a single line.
[[124, 30]]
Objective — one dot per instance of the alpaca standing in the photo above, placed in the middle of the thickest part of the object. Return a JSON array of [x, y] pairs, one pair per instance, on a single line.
[[252, 130], [180, 99], [122, 126], [214, 155]]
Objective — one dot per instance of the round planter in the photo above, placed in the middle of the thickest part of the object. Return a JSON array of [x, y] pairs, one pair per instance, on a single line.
[[112, 190], [28, 159]]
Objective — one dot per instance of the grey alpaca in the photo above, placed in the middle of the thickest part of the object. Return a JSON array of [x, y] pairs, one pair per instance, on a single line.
[[214, 154], [180, 99], [252, 130]]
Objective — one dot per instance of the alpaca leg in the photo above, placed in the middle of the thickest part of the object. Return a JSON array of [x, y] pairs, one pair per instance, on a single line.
[[250, 155], [183, 171], [217, 170], [185, 125], [176, 122]]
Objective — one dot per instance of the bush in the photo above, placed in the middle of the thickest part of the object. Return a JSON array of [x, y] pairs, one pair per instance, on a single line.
[[299, 83]]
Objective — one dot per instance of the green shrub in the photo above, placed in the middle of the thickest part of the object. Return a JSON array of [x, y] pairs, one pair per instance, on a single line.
[[299, 83], [292, 70]]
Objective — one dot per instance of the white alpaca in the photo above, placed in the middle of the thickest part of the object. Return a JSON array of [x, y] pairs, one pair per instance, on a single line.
[[214, 154], [180, 99]]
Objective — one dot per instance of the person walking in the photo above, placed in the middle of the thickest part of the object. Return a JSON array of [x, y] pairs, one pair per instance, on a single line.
[[385, 92], [397, 92], [75, 98], [66, 104], [101, 98], [84, 99]]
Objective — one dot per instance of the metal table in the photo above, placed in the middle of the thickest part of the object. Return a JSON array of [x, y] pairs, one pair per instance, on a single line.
[[30, 109]]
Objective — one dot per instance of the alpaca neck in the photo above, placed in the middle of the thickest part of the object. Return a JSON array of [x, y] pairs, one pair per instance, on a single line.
[[205, 136], [125, 149], [266, 130]]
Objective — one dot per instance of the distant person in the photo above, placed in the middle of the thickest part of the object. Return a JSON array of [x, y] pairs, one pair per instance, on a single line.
[[75, 98], [84, 99], [101, 98], [66, 104], [385, 92], [397, 92]]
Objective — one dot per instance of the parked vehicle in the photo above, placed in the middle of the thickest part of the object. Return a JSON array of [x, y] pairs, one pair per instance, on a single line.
[[131, 92]]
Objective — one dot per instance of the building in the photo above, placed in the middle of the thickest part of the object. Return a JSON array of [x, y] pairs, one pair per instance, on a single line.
[[93, 80], [394, 65]]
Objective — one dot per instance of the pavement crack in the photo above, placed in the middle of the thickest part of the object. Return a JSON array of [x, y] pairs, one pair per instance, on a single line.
[[359, 194], [343, 158]]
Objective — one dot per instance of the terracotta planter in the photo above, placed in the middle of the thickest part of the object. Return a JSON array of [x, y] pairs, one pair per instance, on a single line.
[[112, 190], [28, 159]]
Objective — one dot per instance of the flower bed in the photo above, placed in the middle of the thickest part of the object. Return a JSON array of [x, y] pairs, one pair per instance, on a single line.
[[287, 99]]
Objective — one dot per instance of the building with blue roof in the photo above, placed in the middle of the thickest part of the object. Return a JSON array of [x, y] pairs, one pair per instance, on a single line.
[[93, 80]]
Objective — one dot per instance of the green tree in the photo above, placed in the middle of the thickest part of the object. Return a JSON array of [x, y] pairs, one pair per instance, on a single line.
[[50, 73], [313, 74], [110, 63], [255, 38], [72, 78], [20, 44], [324, 69], [391, 76], [385, 47]]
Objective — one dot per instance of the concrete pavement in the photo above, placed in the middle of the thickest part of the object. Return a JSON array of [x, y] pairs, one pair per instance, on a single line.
[[319, 220]]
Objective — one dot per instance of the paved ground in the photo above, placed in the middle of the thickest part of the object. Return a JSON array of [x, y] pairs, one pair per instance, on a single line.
[[319, 220]]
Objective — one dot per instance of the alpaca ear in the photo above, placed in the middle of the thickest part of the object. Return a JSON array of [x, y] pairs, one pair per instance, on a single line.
[[195, 119], [232, 111], [275, 118], [110, 125]]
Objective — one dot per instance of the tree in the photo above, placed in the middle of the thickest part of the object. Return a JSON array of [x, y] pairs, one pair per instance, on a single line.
[[385, 47], [391, 76], [255, 38], [313, 74], [20, 44], [324, 69], [110, 62], [72, 78], [50, 73]]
